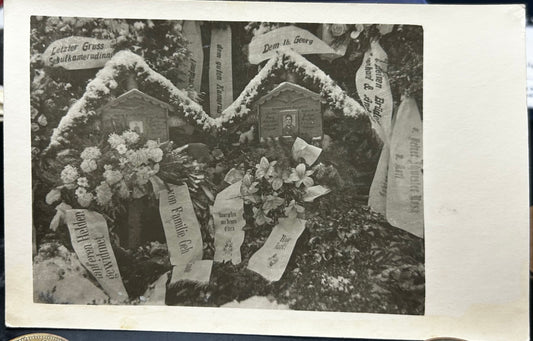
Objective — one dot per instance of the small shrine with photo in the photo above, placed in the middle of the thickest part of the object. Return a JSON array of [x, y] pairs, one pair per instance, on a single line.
[[128, 95], [289, 97]]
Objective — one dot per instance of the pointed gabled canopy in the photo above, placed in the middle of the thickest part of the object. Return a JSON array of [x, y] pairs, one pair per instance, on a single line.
[[109, 84], [288, 60], [136, 94], [286, 86]]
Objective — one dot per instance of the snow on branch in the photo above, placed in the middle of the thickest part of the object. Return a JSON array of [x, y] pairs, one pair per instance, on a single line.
[[289, 60], [103, 87]]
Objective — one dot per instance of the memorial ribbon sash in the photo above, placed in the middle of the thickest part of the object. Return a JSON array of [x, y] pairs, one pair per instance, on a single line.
[[197, 271], [377, 197], [75, 53], [373, 87], [228, 219], [271, 260], [193, 67], [220, 71], [182, 229], [264, 46], [405, 200], [89, 235]]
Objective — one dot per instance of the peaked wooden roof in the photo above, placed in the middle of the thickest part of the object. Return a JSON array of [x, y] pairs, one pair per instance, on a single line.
[[287, 86], [286, 59], [136, 94], [104, 88]]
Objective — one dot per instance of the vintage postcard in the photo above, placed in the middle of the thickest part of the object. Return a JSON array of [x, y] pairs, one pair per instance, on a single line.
[[246, 165]]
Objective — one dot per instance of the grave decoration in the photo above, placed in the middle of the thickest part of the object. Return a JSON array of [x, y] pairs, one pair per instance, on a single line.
[[67, 52], [220, 70], [291, 88], [193, 66], [267, 202], [396, 189], [264, 46], [103, 180], [113, 159], [138, 112], [289, 110], [75, 53], [123, 72]]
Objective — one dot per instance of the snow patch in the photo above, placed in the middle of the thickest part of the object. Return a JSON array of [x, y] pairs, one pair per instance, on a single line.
[[59, 277], [256, 302]]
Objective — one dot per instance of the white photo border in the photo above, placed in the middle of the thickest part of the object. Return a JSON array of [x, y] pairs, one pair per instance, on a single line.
[[475, 176]]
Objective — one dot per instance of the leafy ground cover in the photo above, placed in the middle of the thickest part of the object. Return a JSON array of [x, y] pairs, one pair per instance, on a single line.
[[347, 259]]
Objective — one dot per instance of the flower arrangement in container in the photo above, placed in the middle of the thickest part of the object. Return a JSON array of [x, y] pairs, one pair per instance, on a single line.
[[125, 167]]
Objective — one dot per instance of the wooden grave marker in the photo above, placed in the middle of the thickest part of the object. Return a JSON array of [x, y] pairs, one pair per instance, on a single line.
[[289, 110]]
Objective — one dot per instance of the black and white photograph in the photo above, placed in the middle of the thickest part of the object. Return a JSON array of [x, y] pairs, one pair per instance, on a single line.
[[284, 169], [261, 165]]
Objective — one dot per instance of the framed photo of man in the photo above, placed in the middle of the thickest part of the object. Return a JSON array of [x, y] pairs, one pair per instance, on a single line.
[[289, 122]]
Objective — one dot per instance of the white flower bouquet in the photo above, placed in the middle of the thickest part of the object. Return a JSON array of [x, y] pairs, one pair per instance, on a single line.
[[122, 168]]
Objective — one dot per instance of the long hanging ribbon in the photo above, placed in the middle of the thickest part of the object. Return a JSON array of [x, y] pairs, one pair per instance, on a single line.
[[373, 87], [377, 197], [182, 229], [89, 235], [182, 232], [271, 260], [404, 185], [228, 219], [220, 71], [193, 67]]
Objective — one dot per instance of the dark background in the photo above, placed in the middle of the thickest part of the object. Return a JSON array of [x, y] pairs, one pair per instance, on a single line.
[[74, 335]]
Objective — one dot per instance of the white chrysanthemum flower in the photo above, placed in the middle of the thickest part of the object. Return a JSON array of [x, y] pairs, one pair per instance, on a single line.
[[86, 199], [138, 25], [131, 137], [143, 175], [151, 144], [138, 157], [88, 166], [42, 120], [155, 154], [112, 176], [108, 167], [123, 191], [103, 194], [53, 196], [115, 140], [91, 153], [121, 148], [69, 174], [83, 182], [80, 191]]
